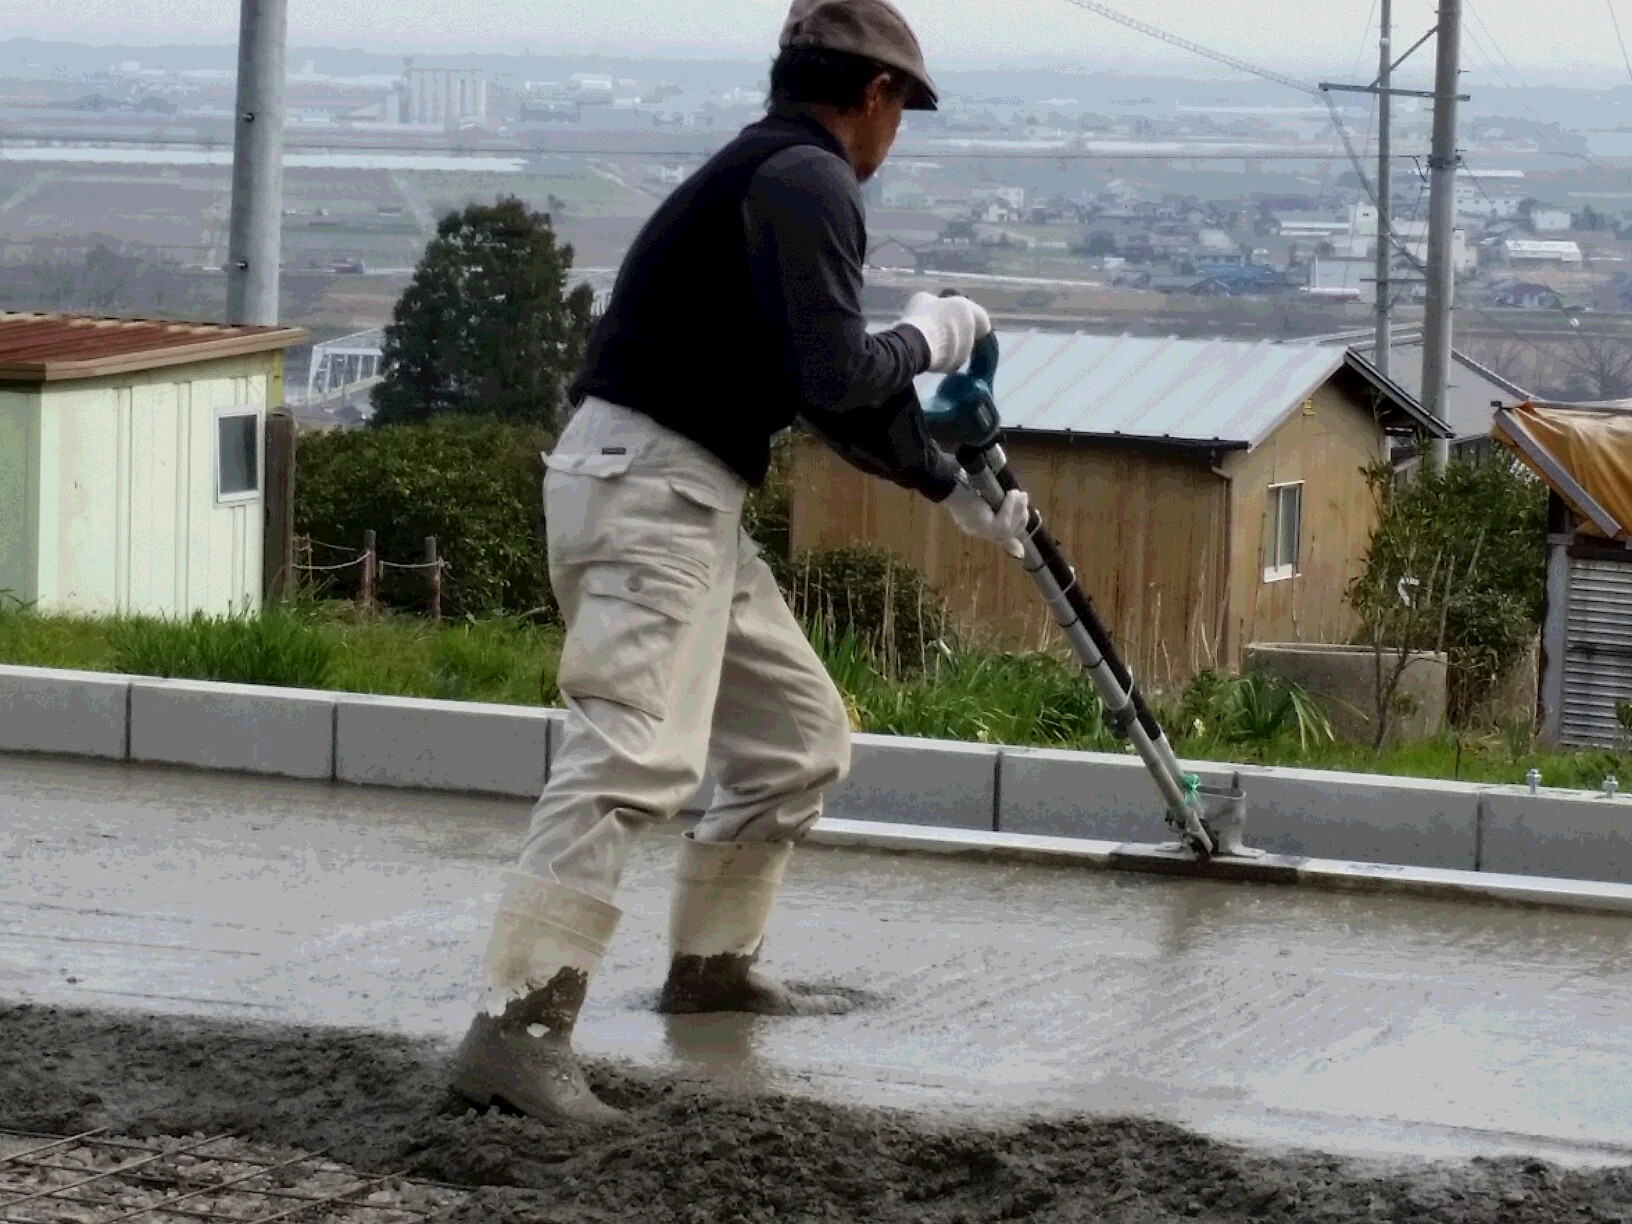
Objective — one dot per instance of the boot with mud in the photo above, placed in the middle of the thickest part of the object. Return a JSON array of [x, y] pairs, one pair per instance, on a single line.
[[517, 1054], [723, 896]]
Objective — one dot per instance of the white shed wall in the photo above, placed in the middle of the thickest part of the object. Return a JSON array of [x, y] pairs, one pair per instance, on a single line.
[[129, 520]]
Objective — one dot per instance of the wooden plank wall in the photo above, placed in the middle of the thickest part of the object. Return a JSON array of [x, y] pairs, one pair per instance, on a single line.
[[1147, 532], [1326, 444]]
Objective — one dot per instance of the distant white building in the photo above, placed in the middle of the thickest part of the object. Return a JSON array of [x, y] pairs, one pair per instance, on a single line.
[[1014, 197], [1353, 280], [1549, 220], [440, 97], [1524, 251], [1475, 200]]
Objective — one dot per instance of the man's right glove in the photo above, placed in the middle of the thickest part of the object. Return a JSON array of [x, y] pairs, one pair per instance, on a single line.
[[951, 325], [1004, 526]]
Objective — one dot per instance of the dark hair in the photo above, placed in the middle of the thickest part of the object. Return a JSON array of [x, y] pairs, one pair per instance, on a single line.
[[814, 76]]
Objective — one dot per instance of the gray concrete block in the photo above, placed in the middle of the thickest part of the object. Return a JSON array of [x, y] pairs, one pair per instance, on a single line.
[[71, 712], [244, 727], [917, 781], [1362, 817], [1579, 835], [441, 745], [1106, 796]]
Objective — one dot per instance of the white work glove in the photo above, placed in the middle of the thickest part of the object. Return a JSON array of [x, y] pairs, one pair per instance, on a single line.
[[951, 325], [1004, 526]]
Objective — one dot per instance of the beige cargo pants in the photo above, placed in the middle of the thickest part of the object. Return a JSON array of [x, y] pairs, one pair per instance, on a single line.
[[680, 655]]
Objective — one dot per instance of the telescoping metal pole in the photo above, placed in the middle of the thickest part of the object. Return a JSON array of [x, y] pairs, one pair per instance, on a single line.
[[964, 416]]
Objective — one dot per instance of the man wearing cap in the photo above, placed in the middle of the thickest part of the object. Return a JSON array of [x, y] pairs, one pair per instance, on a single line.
[[736, 311]]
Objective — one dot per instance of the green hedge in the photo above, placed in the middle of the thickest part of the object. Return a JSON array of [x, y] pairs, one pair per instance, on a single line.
[[474, 484]]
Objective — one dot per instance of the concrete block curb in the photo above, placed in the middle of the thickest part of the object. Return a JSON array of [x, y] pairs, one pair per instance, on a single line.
[[1097, 795], [1368, 818], [1292, 870], [74, 713], [441, 745], [1581, 835], [919, 781], [246, 727]]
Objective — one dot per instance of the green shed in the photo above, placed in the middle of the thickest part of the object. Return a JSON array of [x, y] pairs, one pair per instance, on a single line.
[[132, 462]]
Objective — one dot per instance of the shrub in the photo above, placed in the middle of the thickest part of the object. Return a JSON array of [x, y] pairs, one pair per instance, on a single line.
[[767, 510], [1457, 563], [277, 648], [474, 484], [866, 593], [1253, 710]]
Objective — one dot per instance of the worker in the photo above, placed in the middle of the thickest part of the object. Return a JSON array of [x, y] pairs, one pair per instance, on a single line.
[[736, 311]]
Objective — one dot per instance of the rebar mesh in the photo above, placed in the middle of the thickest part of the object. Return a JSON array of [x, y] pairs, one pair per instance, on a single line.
[[98, 1178]]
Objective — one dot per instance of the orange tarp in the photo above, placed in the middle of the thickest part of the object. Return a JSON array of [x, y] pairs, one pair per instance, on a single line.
[[1594, 448]]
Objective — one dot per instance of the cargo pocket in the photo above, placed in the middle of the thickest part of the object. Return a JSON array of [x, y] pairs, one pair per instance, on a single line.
[[626, 634]]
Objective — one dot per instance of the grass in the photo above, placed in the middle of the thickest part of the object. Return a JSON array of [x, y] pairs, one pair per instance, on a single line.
[[962, 692], [306, 646]]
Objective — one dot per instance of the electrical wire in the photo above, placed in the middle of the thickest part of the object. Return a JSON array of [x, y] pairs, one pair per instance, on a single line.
[[529, 154], [1615, 21]]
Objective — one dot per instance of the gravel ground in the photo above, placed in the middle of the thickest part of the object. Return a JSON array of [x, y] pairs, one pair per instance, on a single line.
[[694, 1154]]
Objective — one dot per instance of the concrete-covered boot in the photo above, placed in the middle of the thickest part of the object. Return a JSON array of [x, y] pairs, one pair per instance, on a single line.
[[723, 896], [546, 942]]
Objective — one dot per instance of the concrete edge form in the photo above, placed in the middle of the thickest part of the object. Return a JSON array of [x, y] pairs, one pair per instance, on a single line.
[[1045, 797], [1331, 874]]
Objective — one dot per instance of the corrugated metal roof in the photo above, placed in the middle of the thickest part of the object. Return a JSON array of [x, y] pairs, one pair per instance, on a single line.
[[49, 347], [1187, 392], [1469, 387]]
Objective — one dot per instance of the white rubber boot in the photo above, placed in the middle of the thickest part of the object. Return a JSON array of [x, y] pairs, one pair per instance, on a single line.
[[547, 941], [723, 896]]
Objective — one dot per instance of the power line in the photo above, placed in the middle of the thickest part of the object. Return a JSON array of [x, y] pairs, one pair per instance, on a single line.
[[1065, 154], [1615, 21], [1178, 40]]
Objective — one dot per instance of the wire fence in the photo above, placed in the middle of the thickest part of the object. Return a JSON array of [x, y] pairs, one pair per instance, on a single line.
[[372, 566]]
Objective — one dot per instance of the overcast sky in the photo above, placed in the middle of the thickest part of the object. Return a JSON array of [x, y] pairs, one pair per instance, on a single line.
[[1546, 40]]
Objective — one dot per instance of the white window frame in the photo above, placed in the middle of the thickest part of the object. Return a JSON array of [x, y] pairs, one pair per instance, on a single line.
[[1276, 570], [259, 416]]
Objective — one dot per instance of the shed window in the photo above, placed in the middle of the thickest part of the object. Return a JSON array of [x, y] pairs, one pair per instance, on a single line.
[[1285, 519], [238, 455]]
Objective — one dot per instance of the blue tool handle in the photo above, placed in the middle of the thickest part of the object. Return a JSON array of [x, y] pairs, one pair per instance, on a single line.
[[962, 414]]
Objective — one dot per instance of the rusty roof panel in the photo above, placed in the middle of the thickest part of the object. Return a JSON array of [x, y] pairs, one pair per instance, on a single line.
[[51, 347]]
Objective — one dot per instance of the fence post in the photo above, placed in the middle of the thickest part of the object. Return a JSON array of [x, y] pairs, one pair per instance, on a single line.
[[371, 564], [433, 575], [278, 501]]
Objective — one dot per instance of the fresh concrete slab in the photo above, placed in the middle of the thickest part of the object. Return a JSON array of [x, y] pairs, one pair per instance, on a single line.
[[244, 727], [68, 712], [1361, 1022], [441, 745], [918, 781], [1579, 835]]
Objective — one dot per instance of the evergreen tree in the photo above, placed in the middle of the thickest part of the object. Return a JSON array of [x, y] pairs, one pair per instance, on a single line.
[[487, 326]]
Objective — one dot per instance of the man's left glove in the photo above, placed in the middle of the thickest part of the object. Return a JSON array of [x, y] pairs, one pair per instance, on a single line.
[[1003, 526], [949, 325]]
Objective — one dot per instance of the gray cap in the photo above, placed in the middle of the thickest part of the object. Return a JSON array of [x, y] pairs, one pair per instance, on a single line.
[[874, 29]]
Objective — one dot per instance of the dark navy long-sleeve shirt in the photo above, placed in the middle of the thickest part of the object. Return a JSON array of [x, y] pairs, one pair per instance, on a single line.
[[750, 277]]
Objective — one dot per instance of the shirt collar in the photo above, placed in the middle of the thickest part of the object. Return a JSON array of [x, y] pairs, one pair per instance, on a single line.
[[795, 116]]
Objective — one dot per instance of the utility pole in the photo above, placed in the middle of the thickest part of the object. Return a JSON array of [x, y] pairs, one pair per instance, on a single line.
[[1442, 161], [1385, 190], [254, 244]]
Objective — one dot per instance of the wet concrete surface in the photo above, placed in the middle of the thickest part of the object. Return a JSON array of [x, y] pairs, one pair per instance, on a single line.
[[1355, 1024]]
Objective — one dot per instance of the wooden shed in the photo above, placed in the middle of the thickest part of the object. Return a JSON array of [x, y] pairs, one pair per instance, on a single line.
[[132, 462], [1212, 493]]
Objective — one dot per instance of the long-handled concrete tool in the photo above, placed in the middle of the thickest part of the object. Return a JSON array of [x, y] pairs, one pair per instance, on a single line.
[[963, 417]]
